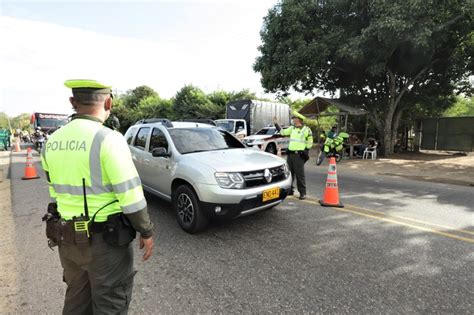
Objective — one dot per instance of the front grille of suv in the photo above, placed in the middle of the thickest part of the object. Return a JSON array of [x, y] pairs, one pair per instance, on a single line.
[[256, 178]]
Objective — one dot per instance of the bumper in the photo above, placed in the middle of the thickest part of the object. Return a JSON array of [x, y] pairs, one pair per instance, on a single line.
[[239, 202], [245, 207]]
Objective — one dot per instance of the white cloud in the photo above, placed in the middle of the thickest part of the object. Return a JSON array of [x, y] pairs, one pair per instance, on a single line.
[[37, 57]]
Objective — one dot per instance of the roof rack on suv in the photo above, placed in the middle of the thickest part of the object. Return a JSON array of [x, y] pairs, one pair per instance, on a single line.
[[200, 121], [165, 122]]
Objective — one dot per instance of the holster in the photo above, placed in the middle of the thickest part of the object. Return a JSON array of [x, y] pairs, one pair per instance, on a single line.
[[118, 230], [304, 155], [53, 231], [59, 230]]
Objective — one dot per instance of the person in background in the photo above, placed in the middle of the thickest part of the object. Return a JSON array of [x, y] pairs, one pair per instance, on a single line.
[[322, 138], [371, 144], [355, 141], [333, 132]]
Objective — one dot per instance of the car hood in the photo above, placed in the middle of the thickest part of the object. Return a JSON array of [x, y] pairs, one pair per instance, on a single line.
[[257, 137], [236, 160]]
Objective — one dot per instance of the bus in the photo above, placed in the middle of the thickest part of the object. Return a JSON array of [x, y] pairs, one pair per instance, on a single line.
[[48, 122]]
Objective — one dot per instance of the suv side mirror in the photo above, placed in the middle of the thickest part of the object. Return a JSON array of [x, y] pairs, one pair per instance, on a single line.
[[160, 152]]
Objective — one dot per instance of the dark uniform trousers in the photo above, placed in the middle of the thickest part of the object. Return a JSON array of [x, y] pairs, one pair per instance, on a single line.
[[99, 277], [296, 166]]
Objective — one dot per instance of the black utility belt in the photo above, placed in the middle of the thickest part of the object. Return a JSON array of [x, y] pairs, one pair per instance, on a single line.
[[295, 152], [116, 231]]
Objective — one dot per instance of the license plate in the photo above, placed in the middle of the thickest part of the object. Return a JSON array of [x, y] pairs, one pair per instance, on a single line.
[[270, 194]]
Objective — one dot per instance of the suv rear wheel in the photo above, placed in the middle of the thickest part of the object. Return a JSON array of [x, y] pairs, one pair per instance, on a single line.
[[188, 211]]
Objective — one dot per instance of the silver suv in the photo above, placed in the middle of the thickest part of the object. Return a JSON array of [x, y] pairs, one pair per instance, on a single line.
[[205, 171]]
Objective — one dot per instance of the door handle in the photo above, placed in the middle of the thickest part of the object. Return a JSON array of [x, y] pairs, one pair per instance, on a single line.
[[167, 167], [134, 157], [146, 161]]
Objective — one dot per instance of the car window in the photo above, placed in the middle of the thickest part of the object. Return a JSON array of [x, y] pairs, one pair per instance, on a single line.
[[203, 139], [239, 126], [140, 140], [266, 131], [158, 140], [226, 125], [129, 135]]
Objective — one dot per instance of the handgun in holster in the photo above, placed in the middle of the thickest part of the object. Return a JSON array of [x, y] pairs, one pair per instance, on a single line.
[[53, 229]]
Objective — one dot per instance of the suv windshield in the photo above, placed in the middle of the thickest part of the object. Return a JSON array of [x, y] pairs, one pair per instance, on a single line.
[[226, 125], [203, 139], [266, 131]]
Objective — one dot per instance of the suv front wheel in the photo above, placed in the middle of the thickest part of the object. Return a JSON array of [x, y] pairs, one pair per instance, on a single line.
[[188, 211]]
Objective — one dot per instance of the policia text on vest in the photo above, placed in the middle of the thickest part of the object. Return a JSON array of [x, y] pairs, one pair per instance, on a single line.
[[71, 145], [99, 205]]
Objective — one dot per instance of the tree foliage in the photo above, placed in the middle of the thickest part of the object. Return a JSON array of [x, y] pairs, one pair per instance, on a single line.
[[384, 56], [190, 102], [463, 107], [21, 121], [3, 121]]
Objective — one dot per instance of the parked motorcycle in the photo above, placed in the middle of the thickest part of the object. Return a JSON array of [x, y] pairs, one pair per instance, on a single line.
[[332, 148]]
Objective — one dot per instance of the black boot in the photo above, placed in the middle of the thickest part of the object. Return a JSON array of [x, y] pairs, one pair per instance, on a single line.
[[302, 196]]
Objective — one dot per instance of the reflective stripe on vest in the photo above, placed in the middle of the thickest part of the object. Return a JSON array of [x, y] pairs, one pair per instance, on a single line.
[[298, 139], [81, 141]]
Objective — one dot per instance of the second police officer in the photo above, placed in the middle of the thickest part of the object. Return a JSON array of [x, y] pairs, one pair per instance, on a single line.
[[301, 141]]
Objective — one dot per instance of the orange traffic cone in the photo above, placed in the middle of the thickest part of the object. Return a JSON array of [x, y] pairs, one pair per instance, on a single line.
[[30, 171], [17, 145], [331, 193]]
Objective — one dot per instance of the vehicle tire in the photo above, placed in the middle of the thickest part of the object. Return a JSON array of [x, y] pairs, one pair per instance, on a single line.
[[271, 148], [188, 210], [320, 158]]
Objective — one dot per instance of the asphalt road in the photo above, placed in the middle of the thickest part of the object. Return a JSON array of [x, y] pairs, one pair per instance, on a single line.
[[399, 246]]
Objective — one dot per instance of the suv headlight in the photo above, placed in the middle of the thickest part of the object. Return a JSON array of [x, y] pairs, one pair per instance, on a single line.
[[230, 180], [286, 170]]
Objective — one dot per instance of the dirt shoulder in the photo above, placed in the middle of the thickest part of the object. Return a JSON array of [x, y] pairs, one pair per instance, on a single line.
[[438, 167], [8, 273]]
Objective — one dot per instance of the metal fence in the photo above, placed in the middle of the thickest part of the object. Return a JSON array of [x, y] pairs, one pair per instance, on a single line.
[[448, 133]]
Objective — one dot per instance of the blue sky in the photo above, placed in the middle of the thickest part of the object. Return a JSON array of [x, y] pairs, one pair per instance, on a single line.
[[164, 44]]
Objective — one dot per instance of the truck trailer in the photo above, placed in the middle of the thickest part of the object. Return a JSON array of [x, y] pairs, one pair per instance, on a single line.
[[246, 117]]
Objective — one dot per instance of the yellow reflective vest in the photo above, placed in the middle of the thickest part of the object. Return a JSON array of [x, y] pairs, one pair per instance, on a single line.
[[300, 138], [84, 148]]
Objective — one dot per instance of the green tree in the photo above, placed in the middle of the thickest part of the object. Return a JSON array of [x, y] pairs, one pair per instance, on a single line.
[[128, 107], [220, 98], [380, 55], [191, 102], [21, 121], [244, 94], [155, 107], [3, 121], [464, 106], [133, 97]]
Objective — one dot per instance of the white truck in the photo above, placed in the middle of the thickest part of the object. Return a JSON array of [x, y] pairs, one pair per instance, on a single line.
[[246, 117]]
